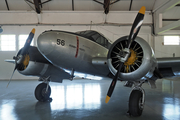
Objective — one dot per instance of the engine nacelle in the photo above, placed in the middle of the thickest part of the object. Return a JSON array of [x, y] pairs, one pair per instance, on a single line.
[[34, 64], [35, 69], [140, 64]]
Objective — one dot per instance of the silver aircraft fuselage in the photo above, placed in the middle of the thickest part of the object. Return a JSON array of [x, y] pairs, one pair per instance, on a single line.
[[71, 51], [82, 53]]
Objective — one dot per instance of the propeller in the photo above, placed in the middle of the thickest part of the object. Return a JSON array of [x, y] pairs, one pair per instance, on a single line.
[[124, 54], [22, 56]]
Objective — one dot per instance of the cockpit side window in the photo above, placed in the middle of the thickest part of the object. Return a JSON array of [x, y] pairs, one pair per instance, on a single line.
[[96, 37], [101, 41]]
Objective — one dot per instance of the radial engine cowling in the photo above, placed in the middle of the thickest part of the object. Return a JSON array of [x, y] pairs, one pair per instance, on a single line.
[[33, 63], [140, 64]]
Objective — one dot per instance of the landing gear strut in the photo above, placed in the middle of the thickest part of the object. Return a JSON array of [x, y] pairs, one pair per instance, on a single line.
[[136, 100], [43, 91]]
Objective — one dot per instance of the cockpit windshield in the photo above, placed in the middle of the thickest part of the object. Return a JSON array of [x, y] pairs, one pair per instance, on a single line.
[[96, 37]]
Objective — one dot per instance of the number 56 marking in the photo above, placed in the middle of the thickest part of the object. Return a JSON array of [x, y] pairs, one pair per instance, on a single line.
[[60, 42]]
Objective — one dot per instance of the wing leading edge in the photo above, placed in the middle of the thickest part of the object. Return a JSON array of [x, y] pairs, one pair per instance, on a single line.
[[169, 67]]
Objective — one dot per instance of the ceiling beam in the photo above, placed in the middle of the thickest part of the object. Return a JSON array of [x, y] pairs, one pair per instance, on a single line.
[[45, 2], [37, 7], [7, 4], [72, 5], [98, 2], [30, 2], [40, 3], [106, 6], [169, 27], [114, 2], [177, 5], [159, 28], [67, 18], [130, 5], [170, 4], [170, 19]]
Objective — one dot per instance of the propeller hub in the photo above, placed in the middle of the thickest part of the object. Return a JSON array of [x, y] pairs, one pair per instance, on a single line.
[[124, 55], [132, 58], [26, 61], [19, 59]]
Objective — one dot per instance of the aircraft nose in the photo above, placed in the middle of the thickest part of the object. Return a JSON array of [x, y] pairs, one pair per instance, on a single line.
[[45, 43]]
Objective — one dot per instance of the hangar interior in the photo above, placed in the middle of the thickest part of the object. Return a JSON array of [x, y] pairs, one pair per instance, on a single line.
[[112, 18]]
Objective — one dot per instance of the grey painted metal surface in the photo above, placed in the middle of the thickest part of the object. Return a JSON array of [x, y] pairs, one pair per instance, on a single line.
[[171, 63], [41, 67], [76, 52], [71, 51], [45, 70]]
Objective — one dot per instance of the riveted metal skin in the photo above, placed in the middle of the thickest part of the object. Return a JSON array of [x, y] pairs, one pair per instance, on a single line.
[[40, 67], [76, 52]]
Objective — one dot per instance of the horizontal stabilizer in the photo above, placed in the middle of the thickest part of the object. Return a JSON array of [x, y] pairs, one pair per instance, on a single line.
[[10, 61]]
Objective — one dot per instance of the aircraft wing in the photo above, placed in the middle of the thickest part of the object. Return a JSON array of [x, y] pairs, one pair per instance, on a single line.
[[169, 67], [57, 74]]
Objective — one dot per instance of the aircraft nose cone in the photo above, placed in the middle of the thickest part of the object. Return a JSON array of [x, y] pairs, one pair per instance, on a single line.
[[45, 43]]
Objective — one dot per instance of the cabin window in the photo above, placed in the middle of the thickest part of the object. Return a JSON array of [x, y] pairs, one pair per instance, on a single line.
[[7, 42], [171, 40], [22, 40]]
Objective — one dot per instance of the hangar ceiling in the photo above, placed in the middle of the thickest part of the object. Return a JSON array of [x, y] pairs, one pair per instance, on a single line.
[[78, 5], [168, 16]]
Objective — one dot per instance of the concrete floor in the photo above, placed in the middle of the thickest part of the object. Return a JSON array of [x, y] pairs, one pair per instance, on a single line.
[[85, 99]]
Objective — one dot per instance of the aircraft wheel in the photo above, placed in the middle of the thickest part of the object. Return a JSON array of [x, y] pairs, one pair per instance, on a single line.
[[136, 104], [40, 92]]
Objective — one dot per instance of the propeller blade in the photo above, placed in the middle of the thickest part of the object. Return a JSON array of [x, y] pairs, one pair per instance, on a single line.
[[136, 26], [133, 33], [19, 59], [113, 83], [28, 42], [11, 76]]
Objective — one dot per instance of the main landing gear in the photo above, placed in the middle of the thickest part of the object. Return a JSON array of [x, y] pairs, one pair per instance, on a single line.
[[136, 99], [43, 91]]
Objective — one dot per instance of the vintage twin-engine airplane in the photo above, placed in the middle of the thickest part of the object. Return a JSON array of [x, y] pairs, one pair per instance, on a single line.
[[129, 58]]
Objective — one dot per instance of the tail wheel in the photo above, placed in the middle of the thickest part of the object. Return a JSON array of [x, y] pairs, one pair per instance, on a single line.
[[136, 104], [133, 62], [41, 94]]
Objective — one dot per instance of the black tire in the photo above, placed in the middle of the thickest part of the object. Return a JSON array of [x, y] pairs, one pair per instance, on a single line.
[[40, 92], [135, 108]]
